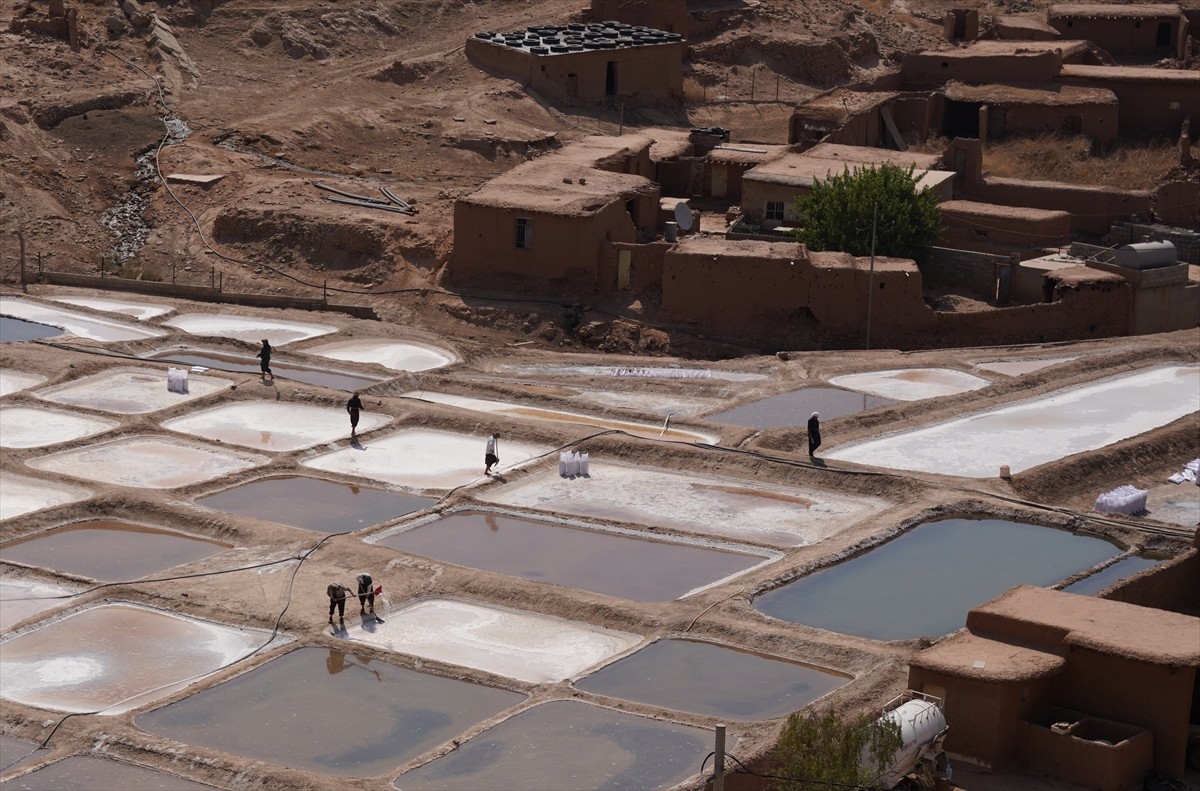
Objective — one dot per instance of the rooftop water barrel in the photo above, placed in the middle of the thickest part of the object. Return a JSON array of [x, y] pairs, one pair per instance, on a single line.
[[1147, 255]]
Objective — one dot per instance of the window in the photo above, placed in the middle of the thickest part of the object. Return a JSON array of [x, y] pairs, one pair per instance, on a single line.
[[774, 212], [524, 233]]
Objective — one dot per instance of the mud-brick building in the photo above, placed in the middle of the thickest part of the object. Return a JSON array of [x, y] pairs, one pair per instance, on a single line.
[[1088, 690], [1142, 29], [769, 190], [586, 62], [762, 289], [550, 225], [982, 62], [1153, 101], [995, 111]]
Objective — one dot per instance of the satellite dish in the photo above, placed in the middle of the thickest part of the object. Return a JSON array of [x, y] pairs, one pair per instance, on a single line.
[[683, 216]]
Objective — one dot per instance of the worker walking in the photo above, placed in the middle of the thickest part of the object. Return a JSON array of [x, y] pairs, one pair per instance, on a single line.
[[814, 433], [338, 593], [264, 358], [353, 406], [491, 455]]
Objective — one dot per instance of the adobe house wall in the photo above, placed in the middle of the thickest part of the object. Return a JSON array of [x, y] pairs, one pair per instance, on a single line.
[[1165, 309], [755, 195], [964, 269], [984, 715], [1097, 121], [1146, 105], [1093, 209], [1117, 763], [645, 265], [669, 15], [1021, 230], [1174, 585], [1099, 310], [651, 72], [1178, 203], [1154, 697], [565, 249], [930, 69], [1124, 35]]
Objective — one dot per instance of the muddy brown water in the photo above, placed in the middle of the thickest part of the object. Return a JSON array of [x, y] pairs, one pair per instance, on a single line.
[[15, 330], [565, 745], [712, 680], [308, 374], [314, 503], [924, 582], [87, 773], [795, 408], [329, 711], [608, 563], [108, 550]]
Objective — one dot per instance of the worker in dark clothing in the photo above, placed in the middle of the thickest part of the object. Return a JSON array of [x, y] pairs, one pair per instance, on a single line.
[[353, 406], [814, 433], [264, 357], [366, 593], [338, 593]]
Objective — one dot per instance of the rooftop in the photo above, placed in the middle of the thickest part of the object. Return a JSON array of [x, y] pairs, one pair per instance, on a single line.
[[578, 37], [968, 208], [1111, 10], [1130, 73], [821, 161], [746, 153], [1048, 95], [551, 186], [992, 48]]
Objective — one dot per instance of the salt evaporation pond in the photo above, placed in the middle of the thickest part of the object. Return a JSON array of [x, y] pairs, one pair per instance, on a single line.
[[539, 649], [139, 310], [248, 328], [396, 355], [1038, 430], [25, 495], [912, 384], [129, 391], [517, 410], [22, 598], [15, 381], [923, 583], [17, 330], [712, 680], [245, 364], [423, 458], [148, 462], [273, 425], [33, 427], [633, 371], [89, 772], [1021, 367], [1107, 577], [314, 503], [116, 657], [566, 745], [109, 550], [78, 324], [794, 408], [624, 564], [329, 711], [691, 503], [14, 753]]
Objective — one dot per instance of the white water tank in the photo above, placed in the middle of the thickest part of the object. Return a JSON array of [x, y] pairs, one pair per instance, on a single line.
[[921, 724], [1147, 255]]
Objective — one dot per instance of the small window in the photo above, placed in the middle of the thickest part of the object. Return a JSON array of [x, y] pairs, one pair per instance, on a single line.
[[524, 233], [774, 211]]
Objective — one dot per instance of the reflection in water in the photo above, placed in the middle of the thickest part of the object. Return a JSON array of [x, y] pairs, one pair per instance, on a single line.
[[336, 662], [925, 581], [608, 563]]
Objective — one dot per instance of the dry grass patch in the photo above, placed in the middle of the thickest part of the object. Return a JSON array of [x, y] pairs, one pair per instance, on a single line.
[[1070, 160]]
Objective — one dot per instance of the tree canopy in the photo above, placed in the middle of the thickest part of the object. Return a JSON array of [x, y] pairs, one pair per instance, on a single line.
[[817, 750], [837, 214]]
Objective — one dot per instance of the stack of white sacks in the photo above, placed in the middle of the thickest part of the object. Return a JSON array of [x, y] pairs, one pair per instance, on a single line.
[[177, 380], [1122, 500], [1191, 472], [572, 464]]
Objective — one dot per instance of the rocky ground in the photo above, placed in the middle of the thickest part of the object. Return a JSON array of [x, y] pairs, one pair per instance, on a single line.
[[275, 96]]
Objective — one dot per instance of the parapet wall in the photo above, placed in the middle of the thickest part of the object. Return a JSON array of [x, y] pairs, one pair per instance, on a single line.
[[1093, 210]]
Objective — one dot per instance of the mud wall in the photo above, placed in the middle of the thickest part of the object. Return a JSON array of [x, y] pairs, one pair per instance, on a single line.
[[1093, 209], [1118, 763], [964, 269], [929, 69], [645, 265], [1152, 105], [640, 73], [1093, 310], [961, 224], [1155, 697], [1165, 309], [1173, 585], [756, 194], [1097, 121], [565, 249], [1122, 35]]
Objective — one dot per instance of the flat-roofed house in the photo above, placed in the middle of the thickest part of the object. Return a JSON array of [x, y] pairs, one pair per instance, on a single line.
[[1137, 29]]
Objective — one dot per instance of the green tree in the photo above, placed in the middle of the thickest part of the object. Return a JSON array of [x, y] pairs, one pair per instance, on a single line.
[[837, 214], [818, 749]]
